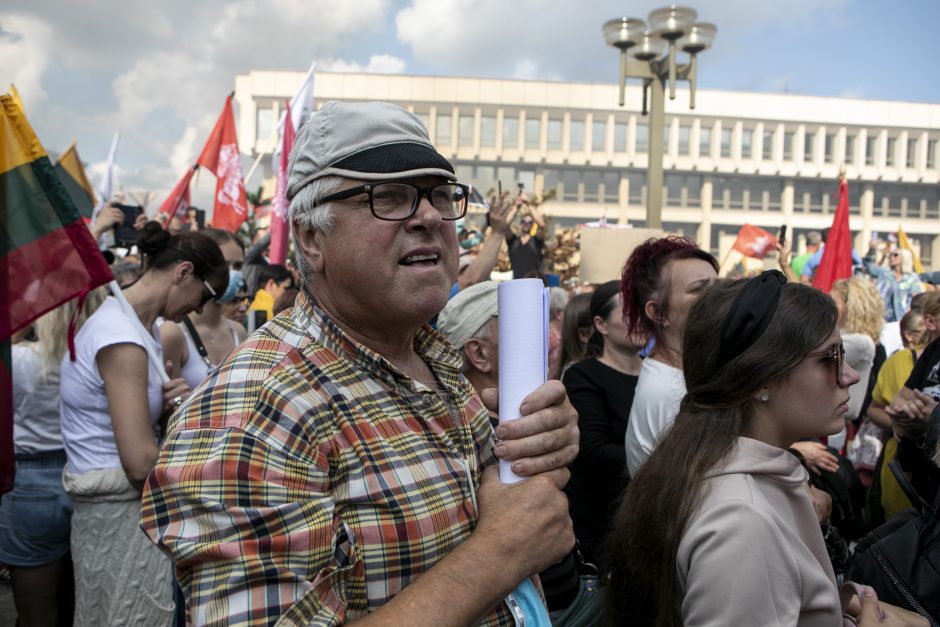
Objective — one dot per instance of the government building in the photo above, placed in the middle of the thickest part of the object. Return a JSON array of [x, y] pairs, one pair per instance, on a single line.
[[739, 157]]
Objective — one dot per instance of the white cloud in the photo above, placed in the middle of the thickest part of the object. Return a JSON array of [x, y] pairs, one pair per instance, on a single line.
[[25, 43], [378, 64]]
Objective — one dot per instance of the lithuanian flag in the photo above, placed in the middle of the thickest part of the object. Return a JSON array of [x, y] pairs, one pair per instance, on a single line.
[[47, 254], [71, 172]]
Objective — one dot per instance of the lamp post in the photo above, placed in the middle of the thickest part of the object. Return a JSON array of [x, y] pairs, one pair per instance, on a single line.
[[671, 29]]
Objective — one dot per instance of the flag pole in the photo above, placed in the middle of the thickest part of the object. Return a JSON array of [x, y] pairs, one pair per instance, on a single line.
[[135, 320], [272, 142]]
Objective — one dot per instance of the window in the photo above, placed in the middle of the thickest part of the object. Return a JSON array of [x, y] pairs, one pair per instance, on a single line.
[[265, 122], [620, 137], [870, 148], [931, 154], [830, 147], [911, 152], [592, 183], [892, 148], [666, 138], [488, 131], [811, 196], [788, 146], [554, 134], [465, 130], [767, 147], [747, 136], [725, 142], [599, 136], [506, 177], [510, 132], [684, 140], [705, 142], [683, 191], [570, 180], [637, 183], [576, 135], [850, 149], [642, 137], [533, 128], [612, 186], [550, 179], [808, 152], [443, 129]]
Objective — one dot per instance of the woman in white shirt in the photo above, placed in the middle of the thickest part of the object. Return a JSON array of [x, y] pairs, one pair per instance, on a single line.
[[661, 280], [35, 518], [717, 528], [112, 400]]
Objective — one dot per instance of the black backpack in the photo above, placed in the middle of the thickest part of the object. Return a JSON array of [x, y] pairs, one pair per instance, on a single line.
[[901, 558]]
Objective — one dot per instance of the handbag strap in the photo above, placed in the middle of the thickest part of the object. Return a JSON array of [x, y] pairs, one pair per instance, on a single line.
[[191, 328], [906, 486]]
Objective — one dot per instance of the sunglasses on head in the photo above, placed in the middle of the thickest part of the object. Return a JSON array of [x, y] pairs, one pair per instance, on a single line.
[[207, 293]]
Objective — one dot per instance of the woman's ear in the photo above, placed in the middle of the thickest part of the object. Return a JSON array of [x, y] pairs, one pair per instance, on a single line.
[[183, 270], [601, 325], [761, 395], [930, 322], [655, 312]]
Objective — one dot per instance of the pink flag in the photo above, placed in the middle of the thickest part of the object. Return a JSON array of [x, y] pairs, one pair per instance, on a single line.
[[280, 226], [220, 156], [177, 202]]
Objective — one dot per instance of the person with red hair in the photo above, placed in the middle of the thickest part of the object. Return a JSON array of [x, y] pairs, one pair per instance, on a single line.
[[661, 280]]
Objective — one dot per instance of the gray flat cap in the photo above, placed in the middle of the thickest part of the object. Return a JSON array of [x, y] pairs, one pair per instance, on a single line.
[[370, 141], [466, 312]]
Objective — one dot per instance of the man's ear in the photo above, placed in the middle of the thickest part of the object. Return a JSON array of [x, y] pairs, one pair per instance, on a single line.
[[477, 354], [310, 244]]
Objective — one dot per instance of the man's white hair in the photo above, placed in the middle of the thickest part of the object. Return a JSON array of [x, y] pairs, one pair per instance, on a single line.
[[306, 212]]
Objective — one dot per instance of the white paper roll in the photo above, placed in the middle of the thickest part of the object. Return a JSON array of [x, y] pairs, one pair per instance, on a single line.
[[523, 349]]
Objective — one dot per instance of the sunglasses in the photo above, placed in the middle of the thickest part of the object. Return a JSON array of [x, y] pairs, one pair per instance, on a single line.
[[207, 293], [836, 356]]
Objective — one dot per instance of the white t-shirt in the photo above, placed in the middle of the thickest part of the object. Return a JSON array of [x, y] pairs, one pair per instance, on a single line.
[[655, 405], [35, 403], [86, 419]]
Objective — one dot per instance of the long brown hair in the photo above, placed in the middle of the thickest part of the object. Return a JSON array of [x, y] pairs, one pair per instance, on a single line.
[[667, 490]]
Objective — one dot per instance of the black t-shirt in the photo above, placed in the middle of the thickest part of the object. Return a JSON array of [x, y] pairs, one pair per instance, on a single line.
[[603, 397], [924, 376], [525, 258]]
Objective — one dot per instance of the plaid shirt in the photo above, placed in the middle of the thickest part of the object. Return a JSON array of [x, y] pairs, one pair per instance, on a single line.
[[309, 481]]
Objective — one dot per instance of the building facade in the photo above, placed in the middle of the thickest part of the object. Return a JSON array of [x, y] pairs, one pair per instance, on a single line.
[[739, 157]]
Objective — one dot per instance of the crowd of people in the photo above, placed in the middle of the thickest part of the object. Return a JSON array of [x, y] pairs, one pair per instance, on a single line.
[[231, 441]]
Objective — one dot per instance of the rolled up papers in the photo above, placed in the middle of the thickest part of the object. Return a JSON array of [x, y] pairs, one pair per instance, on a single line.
[[523, 349]]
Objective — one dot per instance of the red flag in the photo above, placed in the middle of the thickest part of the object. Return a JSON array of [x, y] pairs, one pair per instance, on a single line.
[[220, 156], [177, 202], [280, 227], [836, 260], [754, 241]]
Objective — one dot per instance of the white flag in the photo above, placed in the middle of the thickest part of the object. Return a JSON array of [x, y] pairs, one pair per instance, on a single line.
[[300, 107], [106, 181]]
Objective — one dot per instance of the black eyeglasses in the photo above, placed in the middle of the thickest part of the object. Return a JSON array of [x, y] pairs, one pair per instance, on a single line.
[[399, 201], [835, 355]]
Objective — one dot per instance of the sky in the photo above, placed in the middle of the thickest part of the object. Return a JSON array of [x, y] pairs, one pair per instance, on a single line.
[[158, 72]]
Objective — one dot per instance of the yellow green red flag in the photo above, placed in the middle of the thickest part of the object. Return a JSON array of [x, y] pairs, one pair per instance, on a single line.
[[903, 242]]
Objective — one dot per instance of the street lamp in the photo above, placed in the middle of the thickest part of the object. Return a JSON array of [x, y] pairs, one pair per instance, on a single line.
[[676, 28]]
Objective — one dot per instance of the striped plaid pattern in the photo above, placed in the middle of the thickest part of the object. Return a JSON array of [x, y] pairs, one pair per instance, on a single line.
[[309, 481]]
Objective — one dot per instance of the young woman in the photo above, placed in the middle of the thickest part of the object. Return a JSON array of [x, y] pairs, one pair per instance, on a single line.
[[601, 388], [204, 339], [897, 282], [112, 400], [577, 329], [35, 518], [661, 280], [716, 528]]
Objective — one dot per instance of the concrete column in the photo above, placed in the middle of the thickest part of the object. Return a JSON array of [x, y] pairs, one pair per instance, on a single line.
[[704, 234]]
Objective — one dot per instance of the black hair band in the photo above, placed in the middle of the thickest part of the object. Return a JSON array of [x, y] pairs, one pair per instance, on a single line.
[[751, 312]]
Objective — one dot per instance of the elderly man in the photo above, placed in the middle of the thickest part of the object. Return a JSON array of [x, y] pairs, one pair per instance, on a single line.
[[338, 467]]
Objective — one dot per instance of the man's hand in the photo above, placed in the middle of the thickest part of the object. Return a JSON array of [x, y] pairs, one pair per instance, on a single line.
[[909, 411], [816, 456], [545, 438], [502, 212], [525, 525]]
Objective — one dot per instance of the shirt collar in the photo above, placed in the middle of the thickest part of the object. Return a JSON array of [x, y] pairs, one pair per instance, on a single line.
[[443, 359]]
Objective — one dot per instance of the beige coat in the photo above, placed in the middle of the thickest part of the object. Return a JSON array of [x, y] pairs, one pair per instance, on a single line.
[[753, 553]]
